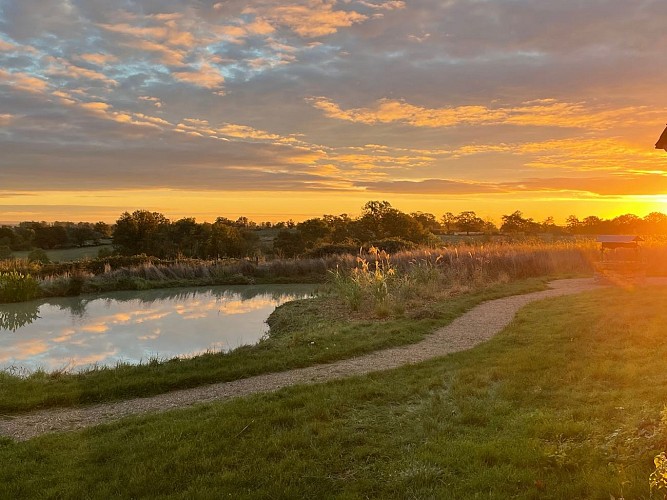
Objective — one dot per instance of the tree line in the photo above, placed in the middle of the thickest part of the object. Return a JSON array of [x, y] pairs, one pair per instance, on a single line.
[[379, 224], [28, 235]]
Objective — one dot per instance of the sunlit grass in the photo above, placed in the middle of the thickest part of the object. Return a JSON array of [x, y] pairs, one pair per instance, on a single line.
[[565, 403]]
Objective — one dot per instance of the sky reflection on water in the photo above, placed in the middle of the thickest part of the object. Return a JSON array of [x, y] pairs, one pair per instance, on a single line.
[[75, 333]]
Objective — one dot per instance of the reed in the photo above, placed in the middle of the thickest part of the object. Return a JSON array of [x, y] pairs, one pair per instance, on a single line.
[[457, 267]]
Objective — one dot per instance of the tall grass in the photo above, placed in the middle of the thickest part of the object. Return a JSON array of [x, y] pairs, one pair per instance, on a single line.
[[387, 283], [17, 287], [459, 267]]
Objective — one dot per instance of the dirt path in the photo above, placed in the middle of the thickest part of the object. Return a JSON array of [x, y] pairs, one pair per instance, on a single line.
[[476, 326]]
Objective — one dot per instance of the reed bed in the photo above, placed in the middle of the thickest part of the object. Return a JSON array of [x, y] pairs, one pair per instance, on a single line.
[[393, 284], [463, 266]]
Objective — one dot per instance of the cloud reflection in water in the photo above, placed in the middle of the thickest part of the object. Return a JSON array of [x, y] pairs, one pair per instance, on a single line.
[[131, 327]]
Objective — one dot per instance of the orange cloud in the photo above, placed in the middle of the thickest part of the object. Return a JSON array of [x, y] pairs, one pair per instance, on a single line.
[[23, 82], [314, 18], [96, 107], [6, 46], [237, 33], [98, 59], [205, 75], [166, 55], [62, 67], [156, 102], [390, 5], [545, 112], [23, 350]]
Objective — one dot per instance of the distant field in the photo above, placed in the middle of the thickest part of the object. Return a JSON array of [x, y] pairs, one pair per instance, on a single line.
[[67, 254]]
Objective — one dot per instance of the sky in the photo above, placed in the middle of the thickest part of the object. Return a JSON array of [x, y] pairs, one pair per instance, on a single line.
[[294, 109]]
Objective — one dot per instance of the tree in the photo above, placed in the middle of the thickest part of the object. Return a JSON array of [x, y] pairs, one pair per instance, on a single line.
[[626, 224], [516, 223], [340, 228], [655, 223], [289, 243], [428, 221], [573, 224], [448, 220], [380, 220], [594, 225], [469, 222], [104, 229], [313, 231], [141, 232], [230, 241]]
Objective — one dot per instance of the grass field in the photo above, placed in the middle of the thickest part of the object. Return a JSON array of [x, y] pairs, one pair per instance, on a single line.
[[565, 403], [67, 254]]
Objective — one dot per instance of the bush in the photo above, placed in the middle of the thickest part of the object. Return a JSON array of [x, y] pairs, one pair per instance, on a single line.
[[332, 249], [5, 252], [17, 287], [38, 255], [394, 245]]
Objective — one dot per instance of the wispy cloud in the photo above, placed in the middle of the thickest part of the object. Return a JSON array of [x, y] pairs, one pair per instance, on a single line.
[[543, 112]]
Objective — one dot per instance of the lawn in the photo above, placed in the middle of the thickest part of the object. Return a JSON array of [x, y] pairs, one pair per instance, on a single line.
[[565, 403]]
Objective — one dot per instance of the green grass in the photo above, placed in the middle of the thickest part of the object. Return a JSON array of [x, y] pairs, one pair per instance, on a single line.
[[303, 333], [66, 254], [565, 403]]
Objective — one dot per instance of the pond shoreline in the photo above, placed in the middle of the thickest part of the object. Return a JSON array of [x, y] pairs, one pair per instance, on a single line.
[[131, 327]]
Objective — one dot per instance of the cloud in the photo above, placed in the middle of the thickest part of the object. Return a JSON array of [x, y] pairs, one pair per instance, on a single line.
[[543, 112], [610, 185], [98, 59], [619, 184], [6, 46], [310, 19], [61, 67], [417, 97], [431, 186], [203, 75], [23, 82], [388, 5]]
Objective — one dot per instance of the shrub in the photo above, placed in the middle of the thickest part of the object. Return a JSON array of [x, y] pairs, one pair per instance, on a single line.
[[38, 255], [658, 478], [393, 245], [332, 249], [371, 279], [17, 287], [5, 252]]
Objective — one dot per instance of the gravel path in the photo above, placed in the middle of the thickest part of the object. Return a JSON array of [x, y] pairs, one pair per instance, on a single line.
[[476, 326]]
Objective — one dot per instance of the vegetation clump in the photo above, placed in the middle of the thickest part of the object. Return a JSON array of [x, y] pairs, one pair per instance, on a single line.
[[17, 287]]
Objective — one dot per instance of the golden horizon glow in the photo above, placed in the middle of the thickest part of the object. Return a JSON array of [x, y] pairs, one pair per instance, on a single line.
[[206, 206], [290, 110]]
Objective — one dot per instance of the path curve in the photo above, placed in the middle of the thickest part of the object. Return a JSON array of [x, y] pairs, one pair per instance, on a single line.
[[472, 328]]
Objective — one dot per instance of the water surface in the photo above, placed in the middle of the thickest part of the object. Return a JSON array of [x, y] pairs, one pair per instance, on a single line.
[[135, 326]]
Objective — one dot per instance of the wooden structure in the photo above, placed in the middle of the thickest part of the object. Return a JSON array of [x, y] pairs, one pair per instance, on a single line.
[[620, 258], [662, 141]]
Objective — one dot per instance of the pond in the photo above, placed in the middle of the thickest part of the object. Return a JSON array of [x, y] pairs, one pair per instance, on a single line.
[[134, 327]]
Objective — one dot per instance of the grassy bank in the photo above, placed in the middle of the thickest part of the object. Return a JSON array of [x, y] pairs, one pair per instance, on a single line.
[[459, 265], [565, 403], [302, 333]]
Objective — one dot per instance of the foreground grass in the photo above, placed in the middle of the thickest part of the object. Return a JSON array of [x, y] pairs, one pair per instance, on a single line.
[[303, 333], [565, 403]]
